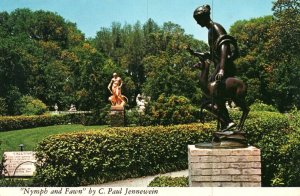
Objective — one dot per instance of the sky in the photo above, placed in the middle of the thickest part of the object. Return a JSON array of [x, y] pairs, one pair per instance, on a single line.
[[91, 15]]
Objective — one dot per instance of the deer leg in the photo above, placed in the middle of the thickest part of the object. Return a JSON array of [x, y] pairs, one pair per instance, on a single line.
[[242, 104], [243, 119], [214, 109], [205, 103], [218, 125], [227, 123], [224, 122]]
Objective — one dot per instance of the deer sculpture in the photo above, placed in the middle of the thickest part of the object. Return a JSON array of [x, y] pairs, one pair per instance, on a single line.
[[230, 89]]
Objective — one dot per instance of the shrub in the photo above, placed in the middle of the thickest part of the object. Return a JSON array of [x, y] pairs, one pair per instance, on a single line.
[[167, 181], [260, 106], [294, 117], [170, 110], [28, 105], [115, 153], [133, 117]]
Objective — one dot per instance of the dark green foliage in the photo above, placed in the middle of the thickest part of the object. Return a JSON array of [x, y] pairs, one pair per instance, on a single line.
[[3, 106], [167, 181], [46, 57], [269, 55], [251, 36], [116, 153], [171, 74]]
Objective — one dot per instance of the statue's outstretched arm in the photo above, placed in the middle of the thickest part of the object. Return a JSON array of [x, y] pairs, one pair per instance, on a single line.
[[109, 85], [202, 56]]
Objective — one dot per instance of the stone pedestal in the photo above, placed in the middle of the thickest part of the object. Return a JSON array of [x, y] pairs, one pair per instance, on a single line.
[[117, 116], [224, 167]]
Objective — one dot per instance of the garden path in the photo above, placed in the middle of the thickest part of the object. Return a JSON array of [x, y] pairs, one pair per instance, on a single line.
[[140, 182]]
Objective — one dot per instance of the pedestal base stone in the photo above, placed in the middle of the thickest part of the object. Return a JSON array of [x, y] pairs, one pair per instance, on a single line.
[[217, 167], [117, 116]]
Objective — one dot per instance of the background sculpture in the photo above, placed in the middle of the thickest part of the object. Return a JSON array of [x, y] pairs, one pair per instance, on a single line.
[[141, 102], [117, 99]]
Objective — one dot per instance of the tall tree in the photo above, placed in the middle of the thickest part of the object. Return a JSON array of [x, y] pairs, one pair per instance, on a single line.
[[283, 54], [252, 68]]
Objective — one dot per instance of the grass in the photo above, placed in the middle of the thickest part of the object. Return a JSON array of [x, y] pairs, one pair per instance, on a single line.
[[10, 140]]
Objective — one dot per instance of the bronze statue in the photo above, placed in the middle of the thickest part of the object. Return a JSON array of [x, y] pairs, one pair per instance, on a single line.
[[221, 86], [117, 99]]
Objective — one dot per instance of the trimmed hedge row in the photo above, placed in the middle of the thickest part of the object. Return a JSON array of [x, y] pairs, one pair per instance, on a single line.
[[22, 122], [119, 153], [116, 153], [8, 123]]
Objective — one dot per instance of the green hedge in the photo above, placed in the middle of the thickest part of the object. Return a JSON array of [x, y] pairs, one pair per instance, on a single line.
[[119, 153], [8, 123], [167, 181], [116, 153], [22, 122], [269, 132], [288, 171]]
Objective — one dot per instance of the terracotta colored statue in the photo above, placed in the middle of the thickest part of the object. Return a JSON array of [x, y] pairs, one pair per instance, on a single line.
[[117, 99]]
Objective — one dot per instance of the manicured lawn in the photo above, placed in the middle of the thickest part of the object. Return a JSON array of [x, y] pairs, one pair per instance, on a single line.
[[30, 137]]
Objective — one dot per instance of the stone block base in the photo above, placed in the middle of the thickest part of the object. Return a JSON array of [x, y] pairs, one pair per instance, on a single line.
[[237, 167], [117, 117]]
